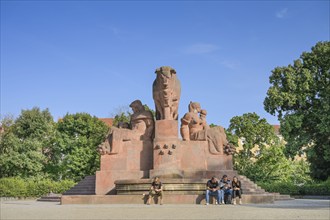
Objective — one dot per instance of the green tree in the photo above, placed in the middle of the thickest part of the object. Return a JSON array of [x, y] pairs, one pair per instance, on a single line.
[[253, 131], [273, 166], [78, 136], [300, 96], [23, 143], [269, 163], [123, 115], [122, 118]]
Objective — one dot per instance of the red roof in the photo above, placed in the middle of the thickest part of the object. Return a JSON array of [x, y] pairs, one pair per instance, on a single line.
[[277, 129], [108, 121]]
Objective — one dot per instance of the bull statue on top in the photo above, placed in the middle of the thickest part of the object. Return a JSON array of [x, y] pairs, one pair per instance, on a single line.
[[166, 93]]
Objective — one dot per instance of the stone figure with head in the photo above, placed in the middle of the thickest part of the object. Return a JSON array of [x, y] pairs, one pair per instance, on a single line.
[[141, 127], [194, 127], [166, 93]]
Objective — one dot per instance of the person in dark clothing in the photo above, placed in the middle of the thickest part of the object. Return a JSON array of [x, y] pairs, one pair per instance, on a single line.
[[237, 190], [226, 191], [212, 189], [156, 189]]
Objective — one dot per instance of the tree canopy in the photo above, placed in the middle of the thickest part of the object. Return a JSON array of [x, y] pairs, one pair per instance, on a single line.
[[262, 156], [34, 145], [24, 143], [78, 136], [300, 96], [253, 131]]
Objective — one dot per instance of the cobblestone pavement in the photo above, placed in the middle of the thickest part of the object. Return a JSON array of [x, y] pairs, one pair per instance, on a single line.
[[291, 209]]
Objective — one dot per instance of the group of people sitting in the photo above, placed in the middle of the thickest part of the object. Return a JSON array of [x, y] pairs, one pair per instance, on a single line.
[[224, 188], [219, 189]]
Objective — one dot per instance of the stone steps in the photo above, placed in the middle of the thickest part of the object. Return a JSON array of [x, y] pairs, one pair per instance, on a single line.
[[84, 187], [184, 190], [177, 186], [278, 196], [168, 199], [49, 199]]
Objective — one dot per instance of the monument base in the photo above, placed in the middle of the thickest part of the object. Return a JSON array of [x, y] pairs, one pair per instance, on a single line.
[[168, 199], [188, 159], [130, 163], [176, 191]]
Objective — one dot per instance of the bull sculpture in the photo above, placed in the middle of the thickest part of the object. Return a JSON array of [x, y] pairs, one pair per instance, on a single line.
[[166, 93]]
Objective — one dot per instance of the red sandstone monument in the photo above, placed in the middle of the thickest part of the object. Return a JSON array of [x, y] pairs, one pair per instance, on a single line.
[[134, 154]]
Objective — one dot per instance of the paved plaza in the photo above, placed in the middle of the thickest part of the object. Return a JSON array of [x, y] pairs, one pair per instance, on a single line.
[[291, 209]]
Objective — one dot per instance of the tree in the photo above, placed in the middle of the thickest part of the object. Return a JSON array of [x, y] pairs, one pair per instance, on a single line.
[[253, 131], [123, 115], [267, 163], [78, 136], [300, 96], [23, 143], [272, 166]]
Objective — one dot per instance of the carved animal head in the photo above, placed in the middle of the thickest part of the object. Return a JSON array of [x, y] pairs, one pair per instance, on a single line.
[[164, 74]]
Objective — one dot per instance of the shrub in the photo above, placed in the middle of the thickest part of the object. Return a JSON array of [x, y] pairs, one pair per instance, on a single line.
[[32, 187], [317, 188]]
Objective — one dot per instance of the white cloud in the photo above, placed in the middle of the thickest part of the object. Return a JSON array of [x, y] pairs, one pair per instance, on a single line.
[[230, 64], [282, 13], [200, 48]]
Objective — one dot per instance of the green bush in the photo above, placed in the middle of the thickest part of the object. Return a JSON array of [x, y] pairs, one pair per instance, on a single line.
[[317, 188], [32, 187]]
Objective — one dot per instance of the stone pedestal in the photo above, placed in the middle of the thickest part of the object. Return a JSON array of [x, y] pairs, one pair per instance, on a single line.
[[165, 150], [189, 159], [166, 130], [133, 162]]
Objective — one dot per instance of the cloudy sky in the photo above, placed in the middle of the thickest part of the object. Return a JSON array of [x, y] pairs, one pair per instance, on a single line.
[[99, 56]]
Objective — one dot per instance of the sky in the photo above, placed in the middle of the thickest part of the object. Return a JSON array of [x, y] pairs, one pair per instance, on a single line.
[[99, 56]]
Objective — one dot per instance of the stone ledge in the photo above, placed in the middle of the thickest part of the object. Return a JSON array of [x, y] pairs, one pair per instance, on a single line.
[[168, 199]]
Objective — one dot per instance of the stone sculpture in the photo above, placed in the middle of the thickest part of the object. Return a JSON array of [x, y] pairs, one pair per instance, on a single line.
[[194, 127], [145, 148], [141, 127], [166, 93]]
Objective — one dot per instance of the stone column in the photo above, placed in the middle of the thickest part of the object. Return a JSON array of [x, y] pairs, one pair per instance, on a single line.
[[166, 150]]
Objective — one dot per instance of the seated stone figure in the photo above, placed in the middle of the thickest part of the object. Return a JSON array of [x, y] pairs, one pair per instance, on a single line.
[[194, 127], [141, 127]]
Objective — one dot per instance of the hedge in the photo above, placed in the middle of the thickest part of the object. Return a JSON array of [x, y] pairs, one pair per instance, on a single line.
[[32, 187], [321, 188]]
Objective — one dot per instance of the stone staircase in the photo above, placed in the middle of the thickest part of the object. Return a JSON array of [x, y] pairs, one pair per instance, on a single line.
[[84, 187], [177, 191], [50, 198], [249, 187], [179, 186]]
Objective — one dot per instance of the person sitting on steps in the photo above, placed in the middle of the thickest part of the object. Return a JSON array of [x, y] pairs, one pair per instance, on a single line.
[[212, 189], [226, 191], [156, 189], [237, 190]]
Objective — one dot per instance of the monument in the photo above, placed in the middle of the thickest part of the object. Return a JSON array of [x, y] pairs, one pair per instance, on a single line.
[[147, 147]]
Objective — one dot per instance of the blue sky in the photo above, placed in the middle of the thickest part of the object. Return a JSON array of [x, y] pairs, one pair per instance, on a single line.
[[99, 56]]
